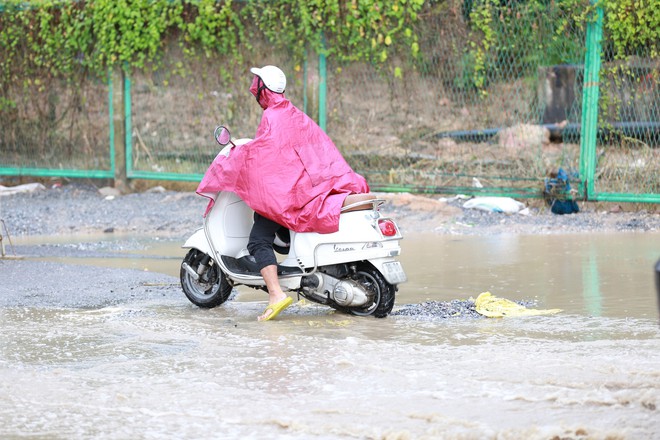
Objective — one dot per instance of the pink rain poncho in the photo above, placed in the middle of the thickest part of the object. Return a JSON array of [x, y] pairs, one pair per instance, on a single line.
[[291, 172]]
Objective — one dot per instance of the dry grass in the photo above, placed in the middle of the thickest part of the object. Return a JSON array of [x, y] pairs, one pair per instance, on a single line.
[[386, 127]]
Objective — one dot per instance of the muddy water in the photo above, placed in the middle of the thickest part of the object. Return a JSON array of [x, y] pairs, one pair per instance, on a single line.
[[165, 369], [599, 275]]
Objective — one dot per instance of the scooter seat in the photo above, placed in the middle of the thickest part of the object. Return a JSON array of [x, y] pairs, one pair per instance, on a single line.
[[358, 202]]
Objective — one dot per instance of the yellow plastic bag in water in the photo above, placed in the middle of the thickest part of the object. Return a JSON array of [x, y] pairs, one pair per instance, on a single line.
[[493, 307]]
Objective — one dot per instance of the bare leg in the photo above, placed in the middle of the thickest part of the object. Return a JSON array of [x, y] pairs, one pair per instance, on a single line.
[[275, 293]]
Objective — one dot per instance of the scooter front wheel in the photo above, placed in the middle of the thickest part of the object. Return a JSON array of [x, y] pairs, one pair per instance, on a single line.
[[208, 289]]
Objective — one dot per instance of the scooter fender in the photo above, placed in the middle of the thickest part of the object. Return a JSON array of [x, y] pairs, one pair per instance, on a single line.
[[198, 241], [391, 269]]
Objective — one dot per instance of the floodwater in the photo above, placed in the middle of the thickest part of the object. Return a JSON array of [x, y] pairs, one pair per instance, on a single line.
[[166, 369]]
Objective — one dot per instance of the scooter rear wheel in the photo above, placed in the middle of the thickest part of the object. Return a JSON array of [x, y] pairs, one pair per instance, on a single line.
[[211, 289], [383, 292]]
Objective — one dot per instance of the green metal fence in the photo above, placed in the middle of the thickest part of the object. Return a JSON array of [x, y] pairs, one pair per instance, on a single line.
[[477, 114], [473, 112], [60, 129], [622, 163]]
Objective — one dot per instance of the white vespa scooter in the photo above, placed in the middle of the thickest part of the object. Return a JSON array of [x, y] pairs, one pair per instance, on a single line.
[[353, 270]]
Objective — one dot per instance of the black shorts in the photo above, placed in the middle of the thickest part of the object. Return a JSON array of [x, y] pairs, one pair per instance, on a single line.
[[261, 240]]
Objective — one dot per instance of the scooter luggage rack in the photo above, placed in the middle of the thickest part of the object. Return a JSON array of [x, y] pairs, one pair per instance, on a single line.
[[363, 205]]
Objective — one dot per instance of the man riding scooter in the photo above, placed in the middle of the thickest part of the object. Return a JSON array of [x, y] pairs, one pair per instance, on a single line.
[[291, 174]]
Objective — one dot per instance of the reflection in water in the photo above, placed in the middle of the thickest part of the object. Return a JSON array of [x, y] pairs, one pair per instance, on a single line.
[[593, 274], [591, 288]]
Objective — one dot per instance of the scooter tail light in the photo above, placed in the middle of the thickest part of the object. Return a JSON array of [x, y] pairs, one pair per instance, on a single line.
[[387, 227]]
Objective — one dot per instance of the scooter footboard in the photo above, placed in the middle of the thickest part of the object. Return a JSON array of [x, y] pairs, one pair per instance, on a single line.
[[391, 269]]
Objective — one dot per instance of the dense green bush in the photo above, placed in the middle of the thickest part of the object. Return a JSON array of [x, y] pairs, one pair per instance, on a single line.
[[516, 35], [58, 37], [67, 39], [633, 26]]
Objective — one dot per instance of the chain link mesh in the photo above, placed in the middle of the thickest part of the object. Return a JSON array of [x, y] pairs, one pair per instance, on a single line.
[[502, 115], [52, 123], [628, 157], [493, 104]]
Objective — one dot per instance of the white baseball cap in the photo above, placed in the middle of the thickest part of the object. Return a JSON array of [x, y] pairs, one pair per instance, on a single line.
[[272, 76]]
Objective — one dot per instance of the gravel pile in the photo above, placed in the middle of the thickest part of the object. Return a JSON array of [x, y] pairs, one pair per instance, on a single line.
[[430, 310], [540, 220], [79, 208], [84, 208]]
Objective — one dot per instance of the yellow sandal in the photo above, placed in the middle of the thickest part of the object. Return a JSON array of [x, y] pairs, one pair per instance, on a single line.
[[276, 308]]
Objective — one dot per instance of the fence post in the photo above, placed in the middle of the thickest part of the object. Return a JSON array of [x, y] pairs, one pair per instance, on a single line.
[[590, 97], [111, 123], [118, 130], [323, 82], [128, 129], [305, 85]]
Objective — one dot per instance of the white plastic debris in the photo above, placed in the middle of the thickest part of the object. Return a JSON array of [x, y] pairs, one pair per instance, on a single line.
[[506, 205], [451, 199], [27, 187]]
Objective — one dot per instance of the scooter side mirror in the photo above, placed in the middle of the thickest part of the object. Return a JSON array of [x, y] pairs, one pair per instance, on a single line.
[[222, 135]]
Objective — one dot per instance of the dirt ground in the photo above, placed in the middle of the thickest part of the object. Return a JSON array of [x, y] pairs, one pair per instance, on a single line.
[[82, 208], [162, 214]]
